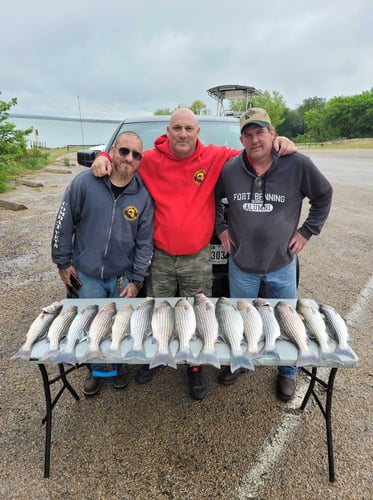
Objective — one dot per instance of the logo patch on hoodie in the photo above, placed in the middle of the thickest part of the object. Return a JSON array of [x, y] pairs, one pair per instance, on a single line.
[[130, 213], [199, 176]]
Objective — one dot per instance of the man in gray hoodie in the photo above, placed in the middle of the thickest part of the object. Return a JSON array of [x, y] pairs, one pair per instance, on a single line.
[[265, 194]]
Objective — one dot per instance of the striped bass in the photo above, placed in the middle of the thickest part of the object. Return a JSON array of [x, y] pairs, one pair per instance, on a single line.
[[140, 327], [58, 329], [338, 329], [316, 329], [185, 327], [253, 326], [78, 328], [98, 331], [208, 329], [271, 329], [163, 324], [293, 327], [120, 328], [38, 329], [232, 327]]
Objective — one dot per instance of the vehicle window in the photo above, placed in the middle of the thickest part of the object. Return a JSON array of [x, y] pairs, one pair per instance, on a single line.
[[218, 133]]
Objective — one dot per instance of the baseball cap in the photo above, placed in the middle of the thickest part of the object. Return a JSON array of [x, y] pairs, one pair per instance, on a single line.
[[259, 116]]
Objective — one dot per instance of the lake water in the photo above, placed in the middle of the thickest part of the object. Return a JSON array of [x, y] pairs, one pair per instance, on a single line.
[[60, 132]]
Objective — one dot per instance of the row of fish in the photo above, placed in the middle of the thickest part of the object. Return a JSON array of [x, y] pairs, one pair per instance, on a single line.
[[250, 329]]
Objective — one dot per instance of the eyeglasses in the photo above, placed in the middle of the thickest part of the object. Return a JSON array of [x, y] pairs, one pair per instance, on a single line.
[[125, 152]]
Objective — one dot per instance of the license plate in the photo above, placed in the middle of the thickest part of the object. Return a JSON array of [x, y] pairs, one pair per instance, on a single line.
[[218, 254]]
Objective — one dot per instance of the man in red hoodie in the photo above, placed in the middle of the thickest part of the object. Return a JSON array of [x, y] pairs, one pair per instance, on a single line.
[[180, 174]]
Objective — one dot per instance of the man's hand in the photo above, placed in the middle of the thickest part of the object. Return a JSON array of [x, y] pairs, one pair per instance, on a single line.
[[297, 243], [65, 275], [101, 166], [284, 146], [226, 240], [130, 291]]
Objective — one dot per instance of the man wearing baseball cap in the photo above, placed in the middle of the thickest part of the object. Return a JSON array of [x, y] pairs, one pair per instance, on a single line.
[[263, 234]]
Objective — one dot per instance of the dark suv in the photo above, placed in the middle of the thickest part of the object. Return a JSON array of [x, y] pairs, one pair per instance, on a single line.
[[218, 130]]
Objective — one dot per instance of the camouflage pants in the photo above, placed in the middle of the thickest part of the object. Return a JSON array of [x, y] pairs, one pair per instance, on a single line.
[[182, 275]]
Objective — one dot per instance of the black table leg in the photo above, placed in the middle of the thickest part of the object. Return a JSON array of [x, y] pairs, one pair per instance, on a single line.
[[326, 412], [47, 419]]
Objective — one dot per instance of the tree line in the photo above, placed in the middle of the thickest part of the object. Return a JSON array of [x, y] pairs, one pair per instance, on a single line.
[[315, 120]]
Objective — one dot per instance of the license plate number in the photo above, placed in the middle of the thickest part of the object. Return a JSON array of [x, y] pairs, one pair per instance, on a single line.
[[218, 254]]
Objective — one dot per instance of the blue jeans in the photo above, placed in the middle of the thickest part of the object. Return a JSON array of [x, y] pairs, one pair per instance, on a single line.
[[99, 289], [279, 284]]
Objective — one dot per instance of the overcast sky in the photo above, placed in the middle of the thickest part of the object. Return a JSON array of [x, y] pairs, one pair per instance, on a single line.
[[126, 58]]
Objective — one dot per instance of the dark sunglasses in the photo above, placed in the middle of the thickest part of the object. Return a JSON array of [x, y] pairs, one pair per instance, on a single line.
[[125, 152]]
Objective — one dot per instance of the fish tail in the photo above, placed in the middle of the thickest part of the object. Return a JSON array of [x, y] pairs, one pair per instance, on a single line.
[[344, 351], [267, 354], [185, 355], [307, 359], [330, 357], [65, 357], [114, 354], [22, 354], [135, 355], [95, 353], [241, 361], [162, 358], [208, 358], [51, 355]]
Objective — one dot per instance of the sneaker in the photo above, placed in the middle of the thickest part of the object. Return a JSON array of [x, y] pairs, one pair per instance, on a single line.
[[285, 388], [197, 384], [121, 380], [92, 385], [144, 374], [226, 377]]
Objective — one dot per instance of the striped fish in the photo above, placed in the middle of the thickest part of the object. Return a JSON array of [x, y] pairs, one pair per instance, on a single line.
[[98, 331], [120, 328], [140, 327], [185, 327], [208, 328], [38, 329], [338, 329], [163, 324], [232, 328], [271, 329], [316, 330], [79, 327], [58, 329], [253, 326], [293, 327]]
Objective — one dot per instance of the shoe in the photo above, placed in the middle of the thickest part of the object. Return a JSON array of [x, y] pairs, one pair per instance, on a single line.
[[285, 388], [226, 377], [92, 385], [121, 380], [197, 384], [144, 374]]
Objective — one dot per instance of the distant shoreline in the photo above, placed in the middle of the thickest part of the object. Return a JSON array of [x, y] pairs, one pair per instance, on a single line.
[[63, 118]]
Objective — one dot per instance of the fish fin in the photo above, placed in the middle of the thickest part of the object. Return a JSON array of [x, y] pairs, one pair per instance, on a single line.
[[51, 355], [185, 355], [162, 358], [347, 352], [307, 359], [96, 353], [330, 357], [114, 354], [208, 358], [267, 354], [135, 355], [65, 357], [241, 361], [22, 354]]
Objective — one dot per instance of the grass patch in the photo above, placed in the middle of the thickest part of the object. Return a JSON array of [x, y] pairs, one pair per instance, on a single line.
[[341, 144]]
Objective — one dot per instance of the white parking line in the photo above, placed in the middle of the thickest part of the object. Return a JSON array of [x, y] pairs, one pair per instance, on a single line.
[[261, 470]]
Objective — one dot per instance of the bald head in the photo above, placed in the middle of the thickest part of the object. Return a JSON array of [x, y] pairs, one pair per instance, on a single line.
[[183, 132]]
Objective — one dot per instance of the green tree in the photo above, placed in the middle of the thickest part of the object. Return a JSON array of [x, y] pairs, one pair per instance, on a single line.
[[198, 107], [273, 103], [14, 155]]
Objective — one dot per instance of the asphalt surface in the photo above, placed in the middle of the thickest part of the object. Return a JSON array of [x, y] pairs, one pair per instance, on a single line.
[[153, 441]]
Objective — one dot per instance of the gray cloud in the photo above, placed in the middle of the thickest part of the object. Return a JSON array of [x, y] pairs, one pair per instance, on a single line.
[[123, 58]]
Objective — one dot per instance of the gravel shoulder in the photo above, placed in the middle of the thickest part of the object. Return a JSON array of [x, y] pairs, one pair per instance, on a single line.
[[153, 441]]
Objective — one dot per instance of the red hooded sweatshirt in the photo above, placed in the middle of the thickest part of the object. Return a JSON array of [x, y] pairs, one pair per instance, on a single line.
[[183, 194]]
